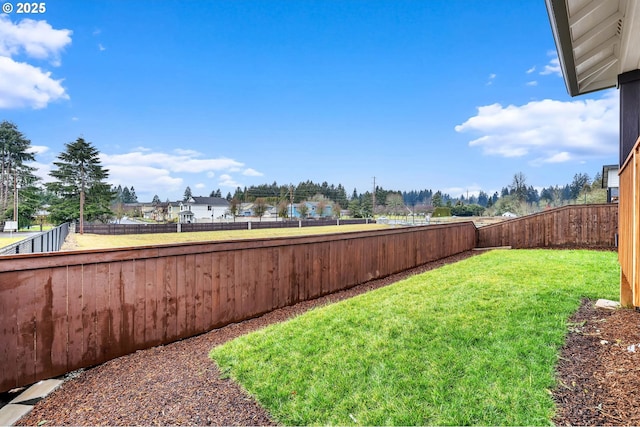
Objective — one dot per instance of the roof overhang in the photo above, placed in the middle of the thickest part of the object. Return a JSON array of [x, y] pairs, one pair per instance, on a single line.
[[596, 41]]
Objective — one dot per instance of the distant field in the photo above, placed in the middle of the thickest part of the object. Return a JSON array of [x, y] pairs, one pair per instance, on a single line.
[[6, 241], [95, 241]]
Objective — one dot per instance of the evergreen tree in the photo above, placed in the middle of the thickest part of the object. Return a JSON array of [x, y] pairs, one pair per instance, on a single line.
[[187, 194], [156, 200], [580, 180], [133, 198], [483, 199], [126, 195], [354, 195], [79, 185], [436, 200], [354, 208], [117, 193], [14, 152], [519, 186]]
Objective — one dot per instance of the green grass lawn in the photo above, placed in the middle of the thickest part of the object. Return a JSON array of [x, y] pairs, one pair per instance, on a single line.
[[471, 343]]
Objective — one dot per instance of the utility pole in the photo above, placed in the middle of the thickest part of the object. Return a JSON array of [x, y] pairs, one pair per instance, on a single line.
[[374, 198], [15, 195], [291, 199]]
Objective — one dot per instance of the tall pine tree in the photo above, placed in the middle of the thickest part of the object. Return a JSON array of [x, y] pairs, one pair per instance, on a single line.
[[80, 185], [14, 173]]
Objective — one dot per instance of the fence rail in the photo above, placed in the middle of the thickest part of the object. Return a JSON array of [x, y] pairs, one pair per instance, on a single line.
[[215, 226], [68, 310], [47, 241], [593, 226]]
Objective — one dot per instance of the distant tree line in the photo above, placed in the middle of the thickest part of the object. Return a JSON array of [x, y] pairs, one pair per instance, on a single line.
[[79, 191]]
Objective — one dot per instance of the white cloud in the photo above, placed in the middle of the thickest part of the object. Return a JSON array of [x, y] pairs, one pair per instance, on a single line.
[[251, 172], [41, 170], [532, 83], [492, 77], [531, 70], [38, 149], [549, 131], [553, 67], [37, 39], [23, 84], [471, 190], [561, 157], [101, 48], [228, 181], [145, 179], [181, 161], [167, 174]]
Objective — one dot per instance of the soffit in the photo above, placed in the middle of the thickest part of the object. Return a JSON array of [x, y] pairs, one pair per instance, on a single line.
[[596, 40]]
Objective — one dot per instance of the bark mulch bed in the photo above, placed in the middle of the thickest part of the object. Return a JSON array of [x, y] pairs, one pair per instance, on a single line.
[[599, 368], [177, 384]]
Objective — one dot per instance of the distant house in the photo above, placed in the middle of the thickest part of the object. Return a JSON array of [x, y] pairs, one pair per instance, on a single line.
[[248, 210], [313, 210], [202, 209], [160, 212], [611, 181], [509, 215]]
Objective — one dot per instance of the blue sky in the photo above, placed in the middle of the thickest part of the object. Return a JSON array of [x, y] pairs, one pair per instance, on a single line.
[[449, 95]]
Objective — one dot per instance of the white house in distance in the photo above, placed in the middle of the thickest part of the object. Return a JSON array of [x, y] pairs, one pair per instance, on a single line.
[[203, 209], [611, 181]]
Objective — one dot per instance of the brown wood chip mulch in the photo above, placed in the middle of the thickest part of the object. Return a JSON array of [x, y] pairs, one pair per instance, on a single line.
[[177, 384], [598, 373]]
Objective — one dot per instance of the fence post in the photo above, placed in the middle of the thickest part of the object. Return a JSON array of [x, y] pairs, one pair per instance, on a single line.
[[248, 225]]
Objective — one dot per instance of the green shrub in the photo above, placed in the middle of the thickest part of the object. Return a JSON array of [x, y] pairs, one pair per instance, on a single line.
[[441, 211]]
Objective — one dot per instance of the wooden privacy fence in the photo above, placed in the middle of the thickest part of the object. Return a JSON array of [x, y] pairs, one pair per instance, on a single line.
[[574, 225], [69, 310], [629, 244]]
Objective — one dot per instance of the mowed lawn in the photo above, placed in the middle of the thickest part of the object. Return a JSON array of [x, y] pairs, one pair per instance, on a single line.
[[96, 241], [6, 241], [471, 343]]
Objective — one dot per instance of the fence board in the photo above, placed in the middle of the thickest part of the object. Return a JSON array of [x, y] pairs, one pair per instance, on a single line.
[[89, 315], [75, 330]]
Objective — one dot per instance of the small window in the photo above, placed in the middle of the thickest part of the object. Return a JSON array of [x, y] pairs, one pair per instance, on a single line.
[[209, 207]]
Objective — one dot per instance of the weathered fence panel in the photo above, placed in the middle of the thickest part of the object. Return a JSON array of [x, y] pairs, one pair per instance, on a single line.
[[68, 310], [574, 225]]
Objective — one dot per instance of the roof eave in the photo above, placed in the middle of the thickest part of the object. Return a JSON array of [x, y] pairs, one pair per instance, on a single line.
[[559, 20]]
